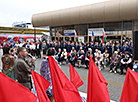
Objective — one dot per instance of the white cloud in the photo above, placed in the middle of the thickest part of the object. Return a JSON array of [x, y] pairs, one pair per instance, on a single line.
[[22, 10]]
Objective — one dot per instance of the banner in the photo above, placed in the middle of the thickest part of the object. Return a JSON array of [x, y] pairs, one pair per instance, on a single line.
[[69, 32], [96, 31]]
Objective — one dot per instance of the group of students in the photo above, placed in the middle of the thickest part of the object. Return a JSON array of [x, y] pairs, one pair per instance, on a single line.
[[110, 54], [78, 52]]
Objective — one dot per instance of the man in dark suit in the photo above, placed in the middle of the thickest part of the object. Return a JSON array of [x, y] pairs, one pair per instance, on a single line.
[[38, 49], [109, 48]]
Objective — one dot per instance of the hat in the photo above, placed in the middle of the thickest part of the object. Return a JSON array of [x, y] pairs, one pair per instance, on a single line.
[[115, 52]]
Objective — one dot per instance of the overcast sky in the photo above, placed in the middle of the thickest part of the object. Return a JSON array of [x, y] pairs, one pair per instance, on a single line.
[[22, 10]]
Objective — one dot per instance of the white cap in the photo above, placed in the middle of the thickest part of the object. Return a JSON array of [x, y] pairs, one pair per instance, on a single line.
[[115, 52]]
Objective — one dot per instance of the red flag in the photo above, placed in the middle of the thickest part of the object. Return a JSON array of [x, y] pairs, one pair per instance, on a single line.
[[74, 77], [130, 88], [12, 91], [63, 89], [136, 100], [41, 85], [97, 86], [104, 36]]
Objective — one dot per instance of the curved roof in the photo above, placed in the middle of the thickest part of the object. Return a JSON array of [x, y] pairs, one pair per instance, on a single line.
[[114, 10]]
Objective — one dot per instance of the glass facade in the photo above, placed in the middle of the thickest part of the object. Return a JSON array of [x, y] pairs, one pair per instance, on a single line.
[[127, 28], [127, 25], [114, 29], [81, 29], [96, 25]]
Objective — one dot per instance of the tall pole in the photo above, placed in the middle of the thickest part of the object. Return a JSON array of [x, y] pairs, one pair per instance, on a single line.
[[34, 34]]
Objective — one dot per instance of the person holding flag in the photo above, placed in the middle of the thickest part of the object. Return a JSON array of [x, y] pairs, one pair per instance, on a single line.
[[45, 72]]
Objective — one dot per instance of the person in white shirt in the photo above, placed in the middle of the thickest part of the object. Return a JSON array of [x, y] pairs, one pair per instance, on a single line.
[[98, 59], [64, 55], [21, 44], [96, 54], [16, 43], [126, 61], [32, 49]]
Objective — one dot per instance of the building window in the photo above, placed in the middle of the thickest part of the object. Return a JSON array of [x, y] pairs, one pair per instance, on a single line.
[[60, 30], [127, 25], [70, 27], [113, 28], [81, 29], [96, 25], [53, 33], [127, 28]]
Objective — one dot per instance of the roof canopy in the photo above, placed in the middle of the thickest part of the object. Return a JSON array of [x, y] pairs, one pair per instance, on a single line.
[[16, 30], [114, 10]]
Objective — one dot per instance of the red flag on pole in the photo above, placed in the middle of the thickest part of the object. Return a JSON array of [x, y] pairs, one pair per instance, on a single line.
[[12, 91], [41, 85], [63, 89], [97, 86], [130, 88], [104, 36], [74, 77]]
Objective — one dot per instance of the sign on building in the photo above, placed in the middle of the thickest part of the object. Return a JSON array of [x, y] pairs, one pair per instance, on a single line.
[[97, 31], [69, 32]]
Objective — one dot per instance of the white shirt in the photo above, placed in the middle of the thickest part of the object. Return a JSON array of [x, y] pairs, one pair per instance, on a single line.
[[65, 54], [32, 46], [37, 46], [21, 45]]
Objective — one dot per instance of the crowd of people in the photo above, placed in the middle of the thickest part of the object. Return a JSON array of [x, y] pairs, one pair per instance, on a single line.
[[111, 53], [19, 58]]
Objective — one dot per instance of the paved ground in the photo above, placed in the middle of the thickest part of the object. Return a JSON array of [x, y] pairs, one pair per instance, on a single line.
[[115, 81]]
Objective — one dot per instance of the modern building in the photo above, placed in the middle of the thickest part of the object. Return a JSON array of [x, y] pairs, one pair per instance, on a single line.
[[116, 17]]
